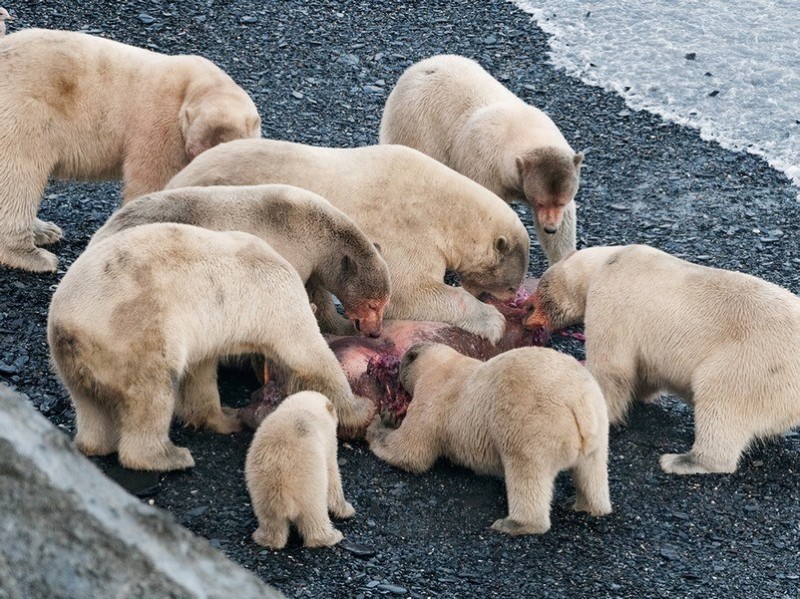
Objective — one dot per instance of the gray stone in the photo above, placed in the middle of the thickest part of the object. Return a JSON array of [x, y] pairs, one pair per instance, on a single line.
[[68, 531]]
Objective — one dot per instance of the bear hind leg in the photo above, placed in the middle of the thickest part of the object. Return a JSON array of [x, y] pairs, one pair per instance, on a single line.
[[529, 487], [337, 504], [96, 426], [272, 532], [590, 476], [721, 436], [144, 419], [313, 521]]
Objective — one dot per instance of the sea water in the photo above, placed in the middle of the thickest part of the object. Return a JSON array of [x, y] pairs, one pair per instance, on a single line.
[[728, 68]]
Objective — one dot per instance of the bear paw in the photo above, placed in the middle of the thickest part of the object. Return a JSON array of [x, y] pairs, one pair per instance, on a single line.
[[45, 233]]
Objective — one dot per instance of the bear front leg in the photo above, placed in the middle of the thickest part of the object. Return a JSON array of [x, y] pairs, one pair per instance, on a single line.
[[410, 447], [46, 233], [148, 167], [329, 319], [453, 305], [615, 374], [199, 403], [563, 242], [22, 184]]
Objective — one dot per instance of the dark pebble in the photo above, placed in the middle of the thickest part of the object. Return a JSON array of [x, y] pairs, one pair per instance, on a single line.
[[197, 511], [357, 549], [714, 94], [691, 56], [669, 553], [348, 59], [7, 368], [394, 590]]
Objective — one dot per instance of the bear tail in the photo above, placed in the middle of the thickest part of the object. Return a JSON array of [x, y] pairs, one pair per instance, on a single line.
[[586, 425]]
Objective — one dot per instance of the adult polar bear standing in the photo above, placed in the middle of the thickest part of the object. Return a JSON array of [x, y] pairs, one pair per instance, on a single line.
[[326, 248], [716, 338], [425, 217], [76, 106], [450, 108], [137, 325]]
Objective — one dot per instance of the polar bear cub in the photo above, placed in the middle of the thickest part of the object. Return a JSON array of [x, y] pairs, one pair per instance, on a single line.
[[526, 415], [717, 339], [77, 106], [450, 108], [137, 325], [292, 473]]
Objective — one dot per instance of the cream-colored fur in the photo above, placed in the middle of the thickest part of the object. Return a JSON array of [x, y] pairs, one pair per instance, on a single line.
[[323, 244], [292, 473], [140, 320], [426, 218], [450, 108], [526, 415], [722, 341], [76, 106]]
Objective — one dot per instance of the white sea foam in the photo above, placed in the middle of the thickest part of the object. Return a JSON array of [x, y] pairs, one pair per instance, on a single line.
[[730, 69]]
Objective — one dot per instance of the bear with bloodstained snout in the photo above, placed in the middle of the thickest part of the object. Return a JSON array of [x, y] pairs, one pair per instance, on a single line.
[[426, 218], [77, 106], [326, 248], [525, 415], [655, 323], [450, 108], [139, 322], [292, 473]]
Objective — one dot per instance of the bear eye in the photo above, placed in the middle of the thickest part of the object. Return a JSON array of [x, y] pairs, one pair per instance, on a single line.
[[411, 356]]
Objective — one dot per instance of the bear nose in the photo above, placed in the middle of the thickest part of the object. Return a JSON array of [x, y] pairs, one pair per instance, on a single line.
[[550, 229]]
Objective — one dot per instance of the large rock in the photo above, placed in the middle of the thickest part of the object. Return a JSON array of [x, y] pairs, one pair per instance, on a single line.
[[68, 531]]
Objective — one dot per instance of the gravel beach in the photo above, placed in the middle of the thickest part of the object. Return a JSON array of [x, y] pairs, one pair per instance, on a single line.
[[320, 73]]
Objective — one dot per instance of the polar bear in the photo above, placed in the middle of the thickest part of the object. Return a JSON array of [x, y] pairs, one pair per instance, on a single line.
[[323, 244], [526, 415], [139, 321], [292, 473], [717, 339], [76, 106], [426, 218], [450, 108]]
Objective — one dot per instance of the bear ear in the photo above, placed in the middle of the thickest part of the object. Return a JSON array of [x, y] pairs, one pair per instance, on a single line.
[[330, 407], [520, 165], [577, 160], [501, 244], [188, 114], [313, 307], [378, 247]]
